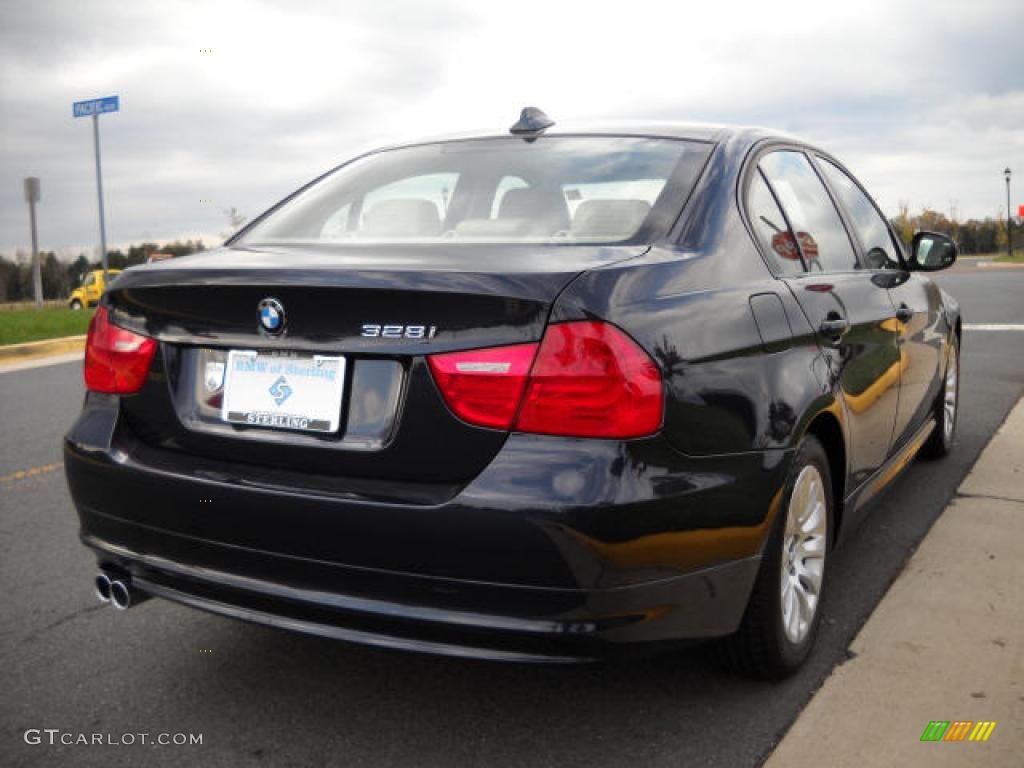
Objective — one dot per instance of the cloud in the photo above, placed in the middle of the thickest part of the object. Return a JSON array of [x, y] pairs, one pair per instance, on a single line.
[[924, 100]]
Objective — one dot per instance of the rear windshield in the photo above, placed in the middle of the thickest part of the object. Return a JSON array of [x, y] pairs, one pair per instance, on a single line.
[[571, 189]]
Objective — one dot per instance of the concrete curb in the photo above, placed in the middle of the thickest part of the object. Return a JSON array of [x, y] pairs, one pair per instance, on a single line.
[[945, 644], [36, 349]]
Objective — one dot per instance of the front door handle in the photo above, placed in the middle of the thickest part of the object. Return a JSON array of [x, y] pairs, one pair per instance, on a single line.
[[833, 326], [904, 314]]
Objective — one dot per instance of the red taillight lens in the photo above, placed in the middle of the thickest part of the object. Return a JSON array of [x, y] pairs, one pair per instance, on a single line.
[[589, 380], [116, 360], [484, 386]]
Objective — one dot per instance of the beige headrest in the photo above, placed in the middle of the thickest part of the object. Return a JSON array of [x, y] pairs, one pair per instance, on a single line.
[[609, 219], [402, 218]]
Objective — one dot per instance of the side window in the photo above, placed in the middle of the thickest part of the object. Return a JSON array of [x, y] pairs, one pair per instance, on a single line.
[[771, 228], [90, 280], [879, 250], [819, 230]]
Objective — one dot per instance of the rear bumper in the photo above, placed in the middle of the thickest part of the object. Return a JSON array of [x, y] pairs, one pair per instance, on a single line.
[[559, 550], [484, 621]]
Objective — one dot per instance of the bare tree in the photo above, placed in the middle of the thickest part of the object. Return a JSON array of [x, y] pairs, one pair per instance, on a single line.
[[236, 220]]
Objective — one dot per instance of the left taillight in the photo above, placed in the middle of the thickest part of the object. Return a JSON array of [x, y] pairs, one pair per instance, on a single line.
[[116, 360], [484, 386]]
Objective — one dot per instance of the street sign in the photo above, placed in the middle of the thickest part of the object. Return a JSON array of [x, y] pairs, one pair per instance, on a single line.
[[95, 106], [1020, 211], [32, 189]]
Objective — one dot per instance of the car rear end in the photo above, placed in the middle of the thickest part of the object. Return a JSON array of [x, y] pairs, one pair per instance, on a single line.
[[357, 420]]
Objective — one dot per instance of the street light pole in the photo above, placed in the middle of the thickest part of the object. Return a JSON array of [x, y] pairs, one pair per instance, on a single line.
[[1009, 217], [32, 197]]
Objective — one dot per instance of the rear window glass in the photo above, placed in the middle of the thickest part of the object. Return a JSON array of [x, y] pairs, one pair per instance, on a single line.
[[582, 189]]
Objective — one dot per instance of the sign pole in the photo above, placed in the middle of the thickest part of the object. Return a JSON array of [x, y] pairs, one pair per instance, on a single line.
[[99, 193], [31, 197], [94, 108]]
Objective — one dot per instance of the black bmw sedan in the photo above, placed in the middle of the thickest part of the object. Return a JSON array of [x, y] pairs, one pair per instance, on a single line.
[[539, 395]]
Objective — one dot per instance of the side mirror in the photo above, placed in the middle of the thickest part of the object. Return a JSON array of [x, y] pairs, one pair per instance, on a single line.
[[932, 251]]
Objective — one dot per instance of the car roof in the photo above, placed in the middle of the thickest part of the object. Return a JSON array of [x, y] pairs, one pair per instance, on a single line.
[[707, 132]]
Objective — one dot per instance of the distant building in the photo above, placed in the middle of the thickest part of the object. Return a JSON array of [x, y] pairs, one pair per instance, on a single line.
[[158, 256]]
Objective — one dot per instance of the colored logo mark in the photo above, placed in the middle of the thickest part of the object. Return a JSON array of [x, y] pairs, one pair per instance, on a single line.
[[280, 390], [271, 316], [958, 730]]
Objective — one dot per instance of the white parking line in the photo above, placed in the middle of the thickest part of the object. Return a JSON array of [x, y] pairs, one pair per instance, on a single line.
[[994, 326], [42, 362]]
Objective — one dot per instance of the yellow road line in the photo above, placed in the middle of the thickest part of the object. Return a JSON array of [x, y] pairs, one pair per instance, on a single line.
[[23, 474]]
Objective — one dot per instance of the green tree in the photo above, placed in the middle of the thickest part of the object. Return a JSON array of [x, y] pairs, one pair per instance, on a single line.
[[116, 260], [77, 270], [184, 249], [8, 280], [138, 254], [1000, 239], [55, 277]]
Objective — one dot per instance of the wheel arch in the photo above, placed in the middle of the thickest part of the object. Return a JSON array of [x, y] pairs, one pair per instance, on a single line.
[[825, 426]]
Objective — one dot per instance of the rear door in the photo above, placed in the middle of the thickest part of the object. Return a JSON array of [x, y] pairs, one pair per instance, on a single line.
[[915, 297], [852, 310]]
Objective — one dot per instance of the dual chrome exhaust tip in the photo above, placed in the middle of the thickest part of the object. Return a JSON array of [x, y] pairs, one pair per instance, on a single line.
[[117, 589]]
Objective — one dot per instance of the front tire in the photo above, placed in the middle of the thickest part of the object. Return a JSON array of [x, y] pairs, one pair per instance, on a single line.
[[781, 621], [947, 406], [76, 305]]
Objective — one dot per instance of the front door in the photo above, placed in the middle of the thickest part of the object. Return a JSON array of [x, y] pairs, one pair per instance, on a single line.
[[915, 299], [918, 304]]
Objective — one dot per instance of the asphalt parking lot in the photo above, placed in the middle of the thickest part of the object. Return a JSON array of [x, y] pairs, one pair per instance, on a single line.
[[261, 696]]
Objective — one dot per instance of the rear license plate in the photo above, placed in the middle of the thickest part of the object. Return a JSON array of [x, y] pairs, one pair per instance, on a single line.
[[283, 392]]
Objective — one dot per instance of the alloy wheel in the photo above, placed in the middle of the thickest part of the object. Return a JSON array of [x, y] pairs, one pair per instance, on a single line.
[[949, 399], [803, 553]]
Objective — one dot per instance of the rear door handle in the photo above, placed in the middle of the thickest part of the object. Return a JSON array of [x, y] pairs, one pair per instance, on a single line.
[[834, 327], [904, 314]]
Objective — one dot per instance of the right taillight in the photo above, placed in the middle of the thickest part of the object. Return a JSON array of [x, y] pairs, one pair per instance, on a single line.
[[589, 379], [116, 360]]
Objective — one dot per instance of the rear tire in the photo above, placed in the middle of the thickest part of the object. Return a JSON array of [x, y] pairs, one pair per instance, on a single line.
[[76, 305], [947, 407], [781, 620]]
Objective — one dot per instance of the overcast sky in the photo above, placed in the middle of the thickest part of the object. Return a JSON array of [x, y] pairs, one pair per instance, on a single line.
[[923, 100]]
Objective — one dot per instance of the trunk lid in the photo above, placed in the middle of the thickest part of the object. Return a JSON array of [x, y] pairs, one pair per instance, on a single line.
[[382, 309]]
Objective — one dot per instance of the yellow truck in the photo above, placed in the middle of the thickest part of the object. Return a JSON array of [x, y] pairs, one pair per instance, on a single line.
[[92, 287]]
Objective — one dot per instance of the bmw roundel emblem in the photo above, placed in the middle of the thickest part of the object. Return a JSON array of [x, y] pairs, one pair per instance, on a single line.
[[271, 316]]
